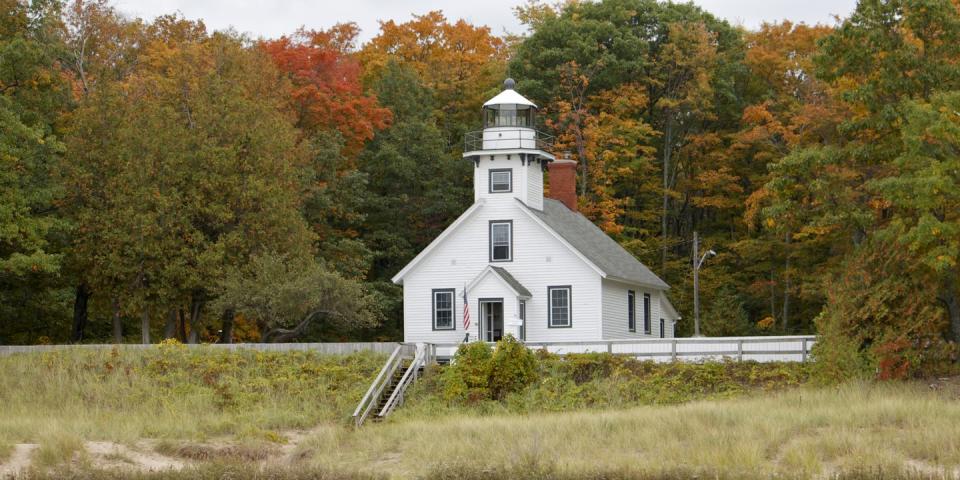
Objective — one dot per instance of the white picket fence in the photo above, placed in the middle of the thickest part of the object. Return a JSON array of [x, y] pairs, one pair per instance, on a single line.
[[325, 348], [794, 348], [761, 349]]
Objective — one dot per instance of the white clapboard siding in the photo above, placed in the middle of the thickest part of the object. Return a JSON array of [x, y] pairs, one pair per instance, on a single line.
[[539, 260], [615, 324], [527, 179]]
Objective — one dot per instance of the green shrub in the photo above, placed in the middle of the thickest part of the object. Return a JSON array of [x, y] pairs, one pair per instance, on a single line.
[[512, 367], [519, 380], [467, 378]]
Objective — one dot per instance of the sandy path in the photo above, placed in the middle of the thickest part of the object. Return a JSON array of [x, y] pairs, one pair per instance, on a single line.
[[18, 461], [110, 455]]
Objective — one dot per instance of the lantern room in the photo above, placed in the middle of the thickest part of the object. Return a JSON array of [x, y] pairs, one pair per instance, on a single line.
[[509, 109]]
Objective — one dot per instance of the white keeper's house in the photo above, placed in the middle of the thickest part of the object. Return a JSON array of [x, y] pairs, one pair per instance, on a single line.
[[527, 265]]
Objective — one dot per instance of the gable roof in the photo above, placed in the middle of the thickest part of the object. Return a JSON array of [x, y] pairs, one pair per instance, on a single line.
[[514, 284], [596, 246], [505, 277]]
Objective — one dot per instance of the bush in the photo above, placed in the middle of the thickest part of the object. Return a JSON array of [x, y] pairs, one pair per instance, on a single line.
[[512, 367], [467, 378], [518, 380]]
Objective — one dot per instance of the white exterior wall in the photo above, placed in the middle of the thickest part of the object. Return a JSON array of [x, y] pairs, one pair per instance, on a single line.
[[539, 260], [527, 179], [615, 322]]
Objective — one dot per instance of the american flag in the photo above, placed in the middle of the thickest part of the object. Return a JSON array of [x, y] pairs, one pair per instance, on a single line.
[[466, 310]]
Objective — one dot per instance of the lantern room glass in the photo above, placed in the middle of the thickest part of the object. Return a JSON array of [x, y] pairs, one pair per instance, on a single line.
[[508, 115]]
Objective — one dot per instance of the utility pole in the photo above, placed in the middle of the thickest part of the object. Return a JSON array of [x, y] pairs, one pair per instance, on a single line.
[[696, 284], [697, 263]]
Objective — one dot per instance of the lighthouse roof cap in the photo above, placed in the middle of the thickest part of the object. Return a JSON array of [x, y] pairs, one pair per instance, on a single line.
[[509, 97]]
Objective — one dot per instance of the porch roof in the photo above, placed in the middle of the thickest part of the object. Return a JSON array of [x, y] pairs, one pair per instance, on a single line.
[[505, 277]]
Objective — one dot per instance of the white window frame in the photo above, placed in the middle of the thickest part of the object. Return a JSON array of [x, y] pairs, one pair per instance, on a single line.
[[631, 311], [509, 245], [569, 306], [452, 309], [509, 184]]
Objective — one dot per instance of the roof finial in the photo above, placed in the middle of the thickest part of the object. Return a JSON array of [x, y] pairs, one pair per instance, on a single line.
[[508, 84]]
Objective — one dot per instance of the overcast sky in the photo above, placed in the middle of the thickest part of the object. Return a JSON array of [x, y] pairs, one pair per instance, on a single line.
[[272, 18]]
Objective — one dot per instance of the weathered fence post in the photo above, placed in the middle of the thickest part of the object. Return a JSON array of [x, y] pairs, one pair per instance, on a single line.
[[610, 347], [803, 350], [740, 350], [673, 350]]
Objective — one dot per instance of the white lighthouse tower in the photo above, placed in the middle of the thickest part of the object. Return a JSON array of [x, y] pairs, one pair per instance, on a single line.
[[509, 154]]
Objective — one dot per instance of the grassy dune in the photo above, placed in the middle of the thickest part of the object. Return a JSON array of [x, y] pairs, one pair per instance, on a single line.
[[800, 433], [214, 414], [62, 398]]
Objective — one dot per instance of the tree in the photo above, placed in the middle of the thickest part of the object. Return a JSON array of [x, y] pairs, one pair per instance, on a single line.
[[182, 170], [461, 63], [921, 196], [32, 93], [286, 296], [335, 117]]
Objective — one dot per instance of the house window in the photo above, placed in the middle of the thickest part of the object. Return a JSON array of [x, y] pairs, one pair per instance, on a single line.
[[661, 328], [501, 241], [646, 313], [523, 320], [443, 309], [501, 181], [631, 310], [559, 311]]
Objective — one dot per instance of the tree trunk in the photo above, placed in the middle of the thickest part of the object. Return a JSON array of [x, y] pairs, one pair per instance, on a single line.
[[226, 331], [786, 287], [281, 335], [667, 153], [181, 326], [117, 324], [170, 328], [951, 300], [80, 312], [195, 306], [145, 326]]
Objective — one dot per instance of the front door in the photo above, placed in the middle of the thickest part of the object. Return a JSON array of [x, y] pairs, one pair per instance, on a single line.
[[491, 314]]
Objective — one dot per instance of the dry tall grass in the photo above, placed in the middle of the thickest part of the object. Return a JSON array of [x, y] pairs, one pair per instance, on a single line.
[[801, 433], [63, 398], [254, 400]]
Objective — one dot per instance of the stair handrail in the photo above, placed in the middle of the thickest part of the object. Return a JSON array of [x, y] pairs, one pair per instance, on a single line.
[[409, 377], [376, 388]]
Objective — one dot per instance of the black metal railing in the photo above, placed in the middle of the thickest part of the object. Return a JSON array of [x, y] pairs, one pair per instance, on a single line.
[[508, 139]]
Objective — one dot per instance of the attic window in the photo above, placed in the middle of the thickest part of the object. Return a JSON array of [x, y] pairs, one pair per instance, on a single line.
[[501, 181]]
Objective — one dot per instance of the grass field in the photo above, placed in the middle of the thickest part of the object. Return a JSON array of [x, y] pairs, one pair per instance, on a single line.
[[172, 413]]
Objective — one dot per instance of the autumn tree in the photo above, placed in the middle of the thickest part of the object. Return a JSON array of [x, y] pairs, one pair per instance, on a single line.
[[202, 170], [335, 118], [462, 64]]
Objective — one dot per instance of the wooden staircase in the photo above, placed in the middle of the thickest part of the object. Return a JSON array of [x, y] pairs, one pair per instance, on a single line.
[[402, 369]]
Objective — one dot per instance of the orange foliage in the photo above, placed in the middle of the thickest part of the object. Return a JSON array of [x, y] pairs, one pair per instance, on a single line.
[[327, 94]]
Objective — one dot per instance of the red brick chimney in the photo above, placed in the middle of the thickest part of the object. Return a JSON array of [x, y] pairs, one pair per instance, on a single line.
[[563, 182]]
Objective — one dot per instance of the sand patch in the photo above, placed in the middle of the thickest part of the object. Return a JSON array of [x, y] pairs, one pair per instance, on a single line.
[[110, 456], [19, 460]]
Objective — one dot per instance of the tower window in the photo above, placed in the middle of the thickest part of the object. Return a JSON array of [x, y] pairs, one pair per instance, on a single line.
[[501, 241], [501, 180]]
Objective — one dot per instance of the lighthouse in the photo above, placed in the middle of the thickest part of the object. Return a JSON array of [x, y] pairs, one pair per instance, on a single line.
[[509, 154]]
